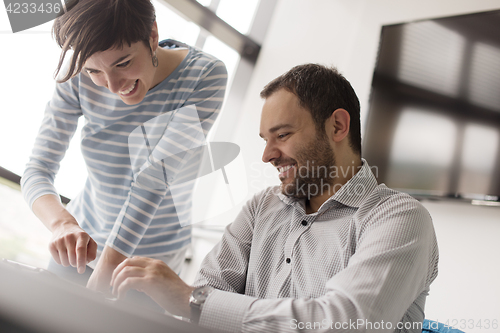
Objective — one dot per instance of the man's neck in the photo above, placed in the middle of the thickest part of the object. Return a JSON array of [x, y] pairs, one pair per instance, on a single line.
[[344, 172]]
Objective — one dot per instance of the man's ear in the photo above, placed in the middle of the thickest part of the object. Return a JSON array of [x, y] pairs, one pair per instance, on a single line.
[[338, 125]]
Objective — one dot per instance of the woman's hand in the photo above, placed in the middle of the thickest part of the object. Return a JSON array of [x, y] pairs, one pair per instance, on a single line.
[[101, 277], [155, 279], [71, 245]]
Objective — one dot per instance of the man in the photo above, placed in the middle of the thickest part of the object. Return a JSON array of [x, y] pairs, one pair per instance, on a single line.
[[329, 249]]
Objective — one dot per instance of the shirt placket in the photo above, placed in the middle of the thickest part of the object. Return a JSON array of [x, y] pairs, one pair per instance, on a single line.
[[299, 223]]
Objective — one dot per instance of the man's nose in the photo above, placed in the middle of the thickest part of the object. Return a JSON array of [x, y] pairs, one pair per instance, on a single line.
[[271, 152]]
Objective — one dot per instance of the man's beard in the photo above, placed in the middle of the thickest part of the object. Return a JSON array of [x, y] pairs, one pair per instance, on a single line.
[[311, 171]]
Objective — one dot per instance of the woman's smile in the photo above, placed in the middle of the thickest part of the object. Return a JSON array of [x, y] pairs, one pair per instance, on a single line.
[[130, 90]]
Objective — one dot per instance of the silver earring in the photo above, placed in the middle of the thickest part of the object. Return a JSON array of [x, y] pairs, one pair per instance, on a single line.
[[155, 60]]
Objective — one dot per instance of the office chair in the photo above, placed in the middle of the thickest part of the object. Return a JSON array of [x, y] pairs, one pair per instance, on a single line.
[[431, 326]]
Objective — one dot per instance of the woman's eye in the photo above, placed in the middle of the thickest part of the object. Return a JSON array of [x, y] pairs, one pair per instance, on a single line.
[[91, 71], [123, 64]]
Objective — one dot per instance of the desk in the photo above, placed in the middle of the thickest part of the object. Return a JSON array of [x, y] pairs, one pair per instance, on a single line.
[[38, 301]]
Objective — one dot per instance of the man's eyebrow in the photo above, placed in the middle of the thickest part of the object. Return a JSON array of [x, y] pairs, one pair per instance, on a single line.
[[116, 62], [277, 128]]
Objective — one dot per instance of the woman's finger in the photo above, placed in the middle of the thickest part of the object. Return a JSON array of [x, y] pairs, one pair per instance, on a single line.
[[70, 243], [54, 253], [62, 251], [91, 251], [81, 254]]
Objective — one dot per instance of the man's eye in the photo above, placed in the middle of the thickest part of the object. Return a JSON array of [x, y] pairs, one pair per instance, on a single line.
[[123, 64], [281, 136]]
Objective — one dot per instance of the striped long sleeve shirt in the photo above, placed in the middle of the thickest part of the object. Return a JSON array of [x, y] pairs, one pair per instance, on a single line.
[[114, 207], [362, 263]]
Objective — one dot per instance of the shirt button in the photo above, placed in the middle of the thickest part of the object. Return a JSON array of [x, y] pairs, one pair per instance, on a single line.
[[288, 260], [304, 223]]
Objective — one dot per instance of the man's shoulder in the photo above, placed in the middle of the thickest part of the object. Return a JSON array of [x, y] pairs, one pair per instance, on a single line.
[[391, 196], [385, 202], [387, 193]]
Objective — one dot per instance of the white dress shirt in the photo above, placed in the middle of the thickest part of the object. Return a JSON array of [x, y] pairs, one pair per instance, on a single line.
[[363, 262]]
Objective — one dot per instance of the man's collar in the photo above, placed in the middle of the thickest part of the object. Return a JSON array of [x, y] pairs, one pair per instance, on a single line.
[[351, 194], [358, 188]]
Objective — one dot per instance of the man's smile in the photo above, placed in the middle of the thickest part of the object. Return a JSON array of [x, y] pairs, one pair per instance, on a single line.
[[283, 170]]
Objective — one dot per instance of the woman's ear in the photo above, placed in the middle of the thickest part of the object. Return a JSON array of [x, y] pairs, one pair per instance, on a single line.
[[154, 37], [338, 125]]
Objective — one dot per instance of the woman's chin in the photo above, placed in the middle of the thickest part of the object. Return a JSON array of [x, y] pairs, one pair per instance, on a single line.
[[132, 100]]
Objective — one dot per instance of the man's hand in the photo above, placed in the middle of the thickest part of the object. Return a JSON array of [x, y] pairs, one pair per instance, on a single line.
[[101, 277], [157, 280], [71, 245]]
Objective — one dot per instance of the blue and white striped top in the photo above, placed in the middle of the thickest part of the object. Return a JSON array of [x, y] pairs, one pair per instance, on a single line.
[[113, 207]]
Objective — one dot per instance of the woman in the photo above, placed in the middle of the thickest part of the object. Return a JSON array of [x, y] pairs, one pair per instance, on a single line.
[[119, 78]]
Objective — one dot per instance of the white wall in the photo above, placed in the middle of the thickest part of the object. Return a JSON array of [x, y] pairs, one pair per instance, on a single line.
[[345, 33], [468, 283]]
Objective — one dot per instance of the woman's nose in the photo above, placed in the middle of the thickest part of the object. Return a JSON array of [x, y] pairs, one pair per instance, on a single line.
[[114, 83]]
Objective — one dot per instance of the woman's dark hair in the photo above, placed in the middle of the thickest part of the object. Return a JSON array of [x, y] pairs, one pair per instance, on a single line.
[[91, 26], [321, 90]]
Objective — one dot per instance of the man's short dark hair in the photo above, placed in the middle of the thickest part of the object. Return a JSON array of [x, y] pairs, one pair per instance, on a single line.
[[91, 26], [321, 90]]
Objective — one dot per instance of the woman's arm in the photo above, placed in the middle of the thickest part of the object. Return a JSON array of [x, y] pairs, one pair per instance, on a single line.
[[69, 245]]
